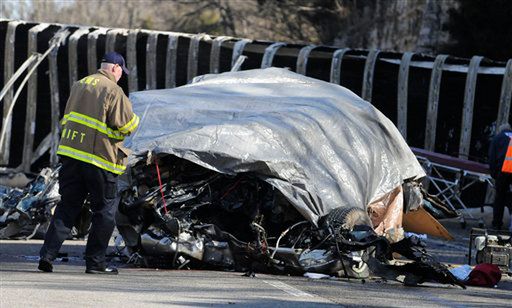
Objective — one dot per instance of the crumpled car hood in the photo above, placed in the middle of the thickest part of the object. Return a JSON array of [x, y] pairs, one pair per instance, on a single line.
[[318, 143]]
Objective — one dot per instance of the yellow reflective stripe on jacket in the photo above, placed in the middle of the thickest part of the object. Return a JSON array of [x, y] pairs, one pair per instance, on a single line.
[[92, 123], [131, 125], [91, 159]]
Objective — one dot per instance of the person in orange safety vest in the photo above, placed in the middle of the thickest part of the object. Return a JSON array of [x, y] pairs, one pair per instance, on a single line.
[[500, 165]]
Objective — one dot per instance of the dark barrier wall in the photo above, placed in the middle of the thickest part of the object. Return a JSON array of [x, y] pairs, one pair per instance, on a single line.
[[443, 104]]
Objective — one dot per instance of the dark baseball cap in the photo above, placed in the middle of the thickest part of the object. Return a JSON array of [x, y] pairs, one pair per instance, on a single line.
[[115, 58]]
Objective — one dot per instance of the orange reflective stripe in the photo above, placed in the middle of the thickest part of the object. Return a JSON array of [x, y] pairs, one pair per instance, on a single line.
[[507, 163], [507, 166]]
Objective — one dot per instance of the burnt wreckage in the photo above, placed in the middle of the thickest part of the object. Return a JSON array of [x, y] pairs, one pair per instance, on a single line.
[[240, 222], [270, 171], [26, 212]]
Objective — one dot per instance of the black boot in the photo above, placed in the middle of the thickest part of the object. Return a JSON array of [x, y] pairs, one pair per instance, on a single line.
[[45, 265]]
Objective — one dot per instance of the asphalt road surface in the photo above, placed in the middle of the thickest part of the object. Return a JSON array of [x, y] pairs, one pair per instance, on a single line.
[[21, 285]]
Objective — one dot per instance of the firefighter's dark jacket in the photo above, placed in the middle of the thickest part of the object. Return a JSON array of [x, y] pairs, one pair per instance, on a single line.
[[98, 116]]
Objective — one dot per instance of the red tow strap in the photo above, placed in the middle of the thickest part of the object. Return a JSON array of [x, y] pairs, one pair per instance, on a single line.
[[161, 188]]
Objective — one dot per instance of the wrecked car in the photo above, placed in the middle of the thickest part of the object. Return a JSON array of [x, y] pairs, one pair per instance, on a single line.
[[270, 171]]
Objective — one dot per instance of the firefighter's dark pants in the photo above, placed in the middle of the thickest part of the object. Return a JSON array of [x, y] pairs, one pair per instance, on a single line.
[[77, 180], [503, 199]]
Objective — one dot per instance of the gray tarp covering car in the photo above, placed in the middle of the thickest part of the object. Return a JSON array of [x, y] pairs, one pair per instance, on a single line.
[[319, 144]]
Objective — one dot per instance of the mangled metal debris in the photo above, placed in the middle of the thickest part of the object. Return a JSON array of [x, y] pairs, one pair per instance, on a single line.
[[270, 171], [239, 222], [24, 212]]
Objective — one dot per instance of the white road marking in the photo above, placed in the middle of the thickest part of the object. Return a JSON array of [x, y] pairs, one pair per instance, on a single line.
[[288, 289]]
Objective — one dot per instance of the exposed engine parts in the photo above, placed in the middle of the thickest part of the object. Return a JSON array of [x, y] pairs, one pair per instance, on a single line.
[[239, 222]]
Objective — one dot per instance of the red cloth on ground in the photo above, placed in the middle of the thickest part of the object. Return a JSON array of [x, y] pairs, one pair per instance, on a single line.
[[484, 275]]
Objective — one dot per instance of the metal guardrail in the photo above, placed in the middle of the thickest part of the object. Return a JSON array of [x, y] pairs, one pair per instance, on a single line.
[[125, 41], [33, 62]]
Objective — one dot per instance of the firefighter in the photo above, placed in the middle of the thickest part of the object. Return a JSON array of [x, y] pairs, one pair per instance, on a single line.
[[500, 165], [97, 118]]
